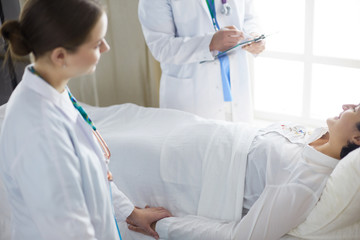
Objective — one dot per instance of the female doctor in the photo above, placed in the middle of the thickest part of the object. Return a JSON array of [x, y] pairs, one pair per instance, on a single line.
[[183, 33], [52, 156]]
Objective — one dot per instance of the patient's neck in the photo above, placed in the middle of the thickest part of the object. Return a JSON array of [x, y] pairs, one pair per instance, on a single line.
[[321, 141], [326, 147]]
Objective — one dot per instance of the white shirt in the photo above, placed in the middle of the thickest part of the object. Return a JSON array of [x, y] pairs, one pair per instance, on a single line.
[[294, 178], [54, 170], [259, 154]]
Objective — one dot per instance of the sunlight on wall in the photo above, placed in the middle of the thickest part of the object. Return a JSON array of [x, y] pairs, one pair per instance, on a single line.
[[335, 86], [286, 28], [273, 81], [312, 64], [336, 28]]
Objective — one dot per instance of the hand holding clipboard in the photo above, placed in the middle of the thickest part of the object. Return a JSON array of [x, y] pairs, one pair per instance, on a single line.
[[243, 43]]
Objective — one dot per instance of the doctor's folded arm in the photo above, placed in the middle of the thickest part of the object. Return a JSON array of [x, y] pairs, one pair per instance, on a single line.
[[181, 34]]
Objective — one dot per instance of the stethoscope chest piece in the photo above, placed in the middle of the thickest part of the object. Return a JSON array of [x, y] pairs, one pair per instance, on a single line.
[[225, 9]]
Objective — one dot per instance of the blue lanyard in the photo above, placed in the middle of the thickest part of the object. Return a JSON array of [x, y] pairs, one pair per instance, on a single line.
[[211, 6], [224, 59], [80, 109]]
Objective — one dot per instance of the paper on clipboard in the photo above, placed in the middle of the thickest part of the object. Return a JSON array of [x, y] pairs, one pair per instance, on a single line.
[[243, 43]]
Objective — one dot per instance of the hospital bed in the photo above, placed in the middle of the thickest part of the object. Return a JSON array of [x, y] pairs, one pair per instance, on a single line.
[[135, 133]]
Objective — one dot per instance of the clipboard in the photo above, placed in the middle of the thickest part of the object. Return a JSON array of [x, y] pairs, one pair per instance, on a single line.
[[243, 43]]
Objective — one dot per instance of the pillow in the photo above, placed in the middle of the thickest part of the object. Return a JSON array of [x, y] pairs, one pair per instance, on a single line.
[[337, 214]]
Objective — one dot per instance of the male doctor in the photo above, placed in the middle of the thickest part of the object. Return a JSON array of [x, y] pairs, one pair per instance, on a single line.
[[183, 33]]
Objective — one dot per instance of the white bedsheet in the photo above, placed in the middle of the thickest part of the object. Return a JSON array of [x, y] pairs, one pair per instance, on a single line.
[[183, 168]]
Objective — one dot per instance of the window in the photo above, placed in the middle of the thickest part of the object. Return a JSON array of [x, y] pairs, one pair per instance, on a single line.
[[312, 62]]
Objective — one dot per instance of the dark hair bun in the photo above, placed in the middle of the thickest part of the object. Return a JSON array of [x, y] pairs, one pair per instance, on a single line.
[[11, 31]]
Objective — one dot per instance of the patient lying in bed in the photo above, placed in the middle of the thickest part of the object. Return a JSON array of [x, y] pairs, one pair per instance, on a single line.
[[210, 174]]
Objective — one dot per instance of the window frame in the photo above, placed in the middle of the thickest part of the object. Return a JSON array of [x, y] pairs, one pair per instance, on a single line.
[[308, 59]]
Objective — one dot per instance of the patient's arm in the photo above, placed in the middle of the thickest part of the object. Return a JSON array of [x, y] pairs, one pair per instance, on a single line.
[[277, 211]]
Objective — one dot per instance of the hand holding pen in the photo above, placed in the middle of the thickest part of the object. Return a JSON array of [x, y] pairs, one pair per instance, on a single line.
[[225, 38]]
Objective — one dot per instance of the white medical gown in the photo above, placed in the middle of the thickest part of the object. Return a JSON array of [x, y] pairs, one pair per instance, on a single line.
[[295, 175]]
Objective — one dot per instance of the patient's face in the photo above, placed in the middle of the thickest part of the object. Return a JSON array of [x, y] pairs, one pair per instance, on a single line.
[[343, 127], [347, 106]]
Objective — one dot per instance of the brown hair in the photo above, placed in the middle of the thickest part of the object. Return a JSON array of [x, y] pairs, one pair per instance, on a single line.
[[350, 146], [47, 24]]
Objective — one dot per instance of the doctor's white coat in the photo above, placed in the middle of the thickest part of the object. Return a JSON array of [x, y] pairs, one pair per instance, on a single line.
[[54, 170], [178, 33]]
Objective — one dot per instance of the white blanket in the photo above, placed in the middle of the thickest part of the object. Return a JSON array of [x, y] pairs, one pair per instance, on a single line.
[[197, 166], [169, 158]]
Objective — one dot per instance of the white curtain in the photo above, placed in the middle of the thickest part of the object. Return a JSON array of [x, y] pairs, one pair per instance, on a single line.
[[128, 72]]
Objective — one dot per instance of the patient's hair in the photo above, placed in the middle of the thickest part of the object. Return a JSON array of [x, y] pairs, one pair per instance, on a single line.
[[350, 146], [47, 24]]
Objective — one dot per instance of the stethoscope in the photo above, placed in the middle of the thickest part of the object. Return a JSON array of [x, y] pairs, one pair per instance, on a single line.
[[226, 8]]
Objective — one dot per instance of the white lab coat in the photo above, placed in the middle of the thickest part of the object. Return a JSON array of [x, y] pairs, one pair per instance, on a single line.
[[178, 33], [54, 170]]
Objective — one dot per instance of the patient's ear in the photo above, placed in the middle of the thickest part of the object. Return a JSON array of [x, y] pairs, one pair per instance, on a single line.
[[356, 139]]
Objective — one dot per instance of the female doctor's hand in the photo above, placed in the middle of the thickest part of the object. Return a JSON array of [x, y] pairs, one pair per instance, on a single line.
[[255, 47], [225, 38], [143, 220]]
